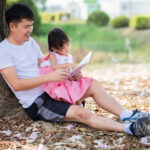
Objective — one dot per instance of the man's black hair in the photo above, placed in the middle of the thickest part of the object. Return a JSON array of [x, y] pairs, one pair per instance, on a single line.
[[57, 38], [17, 12]]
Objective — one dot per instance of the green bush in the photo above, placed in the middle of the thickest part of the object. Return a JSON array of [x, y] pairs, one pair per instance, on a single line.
[[121, 21], [140, 22], [98, 18], [31, 4], [10, 2]]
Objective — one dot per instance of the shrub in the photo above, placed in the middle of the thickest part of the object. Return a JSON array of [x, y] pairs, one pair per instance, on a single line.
[[140, 22], [10, 2], [121, 21], [98, 18]]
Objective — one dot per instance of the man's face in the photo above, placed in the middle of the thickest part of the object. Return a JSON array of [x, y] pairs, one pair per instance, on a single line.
[[22, 30]]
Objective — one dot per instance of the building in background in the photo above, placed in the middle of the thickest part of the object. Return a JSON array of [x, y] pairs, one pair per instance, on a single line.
[[78, 9], [92, 5], [127, 8], [81, 9]]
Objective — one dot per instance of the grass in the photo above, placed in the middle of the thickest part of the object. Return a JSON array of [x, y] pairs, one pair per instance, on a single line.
[[87, 36], [105, 42]]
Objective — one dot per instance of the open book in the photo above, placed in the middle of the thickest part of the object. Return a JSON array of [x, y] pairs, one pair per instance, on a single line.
[[84, 61]]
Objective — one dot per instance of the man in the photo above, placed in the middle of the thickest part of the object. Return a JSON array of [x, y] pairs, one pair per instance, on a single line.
[[19, 59]]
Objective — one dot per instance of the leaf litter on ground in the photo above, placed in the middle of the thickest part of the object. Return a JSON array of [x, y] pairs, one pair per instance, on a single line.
[[127, 83]]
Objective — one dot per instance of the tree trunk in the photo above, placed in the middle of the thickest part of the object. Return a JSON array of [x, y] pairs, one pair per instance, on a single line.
[[9, 106], [3, 27]]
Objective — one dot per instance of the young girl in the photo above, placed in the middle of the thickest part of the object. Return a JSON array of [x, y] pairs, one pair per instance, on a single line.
[[70, 90]]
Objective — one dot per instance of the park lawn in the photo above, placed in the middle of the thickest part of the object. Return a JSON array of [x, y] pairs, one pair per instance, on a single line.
[[108, 44]]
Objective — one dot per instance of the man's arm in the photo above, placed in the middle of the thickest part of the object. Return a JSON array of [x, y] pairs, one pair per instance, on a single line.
[[24, 84]]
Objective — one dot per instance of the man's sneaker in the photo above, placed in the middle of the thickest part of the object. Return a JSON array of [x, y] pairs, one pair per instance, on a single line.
[[135, 115], [141, 127]]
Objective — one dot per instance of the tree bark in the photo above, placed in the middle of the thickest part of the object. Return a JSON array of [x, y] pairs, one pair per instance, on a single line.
[[3, 27], [9, 105]]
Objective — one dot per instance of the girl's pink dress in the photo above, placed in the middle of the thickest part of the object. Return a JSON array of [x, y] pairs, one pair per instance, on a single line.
[[68, 90]]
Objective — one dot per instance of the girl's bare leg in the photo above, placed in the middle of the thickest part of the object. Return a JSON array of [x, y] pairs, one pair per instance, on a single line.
[[103, 99]]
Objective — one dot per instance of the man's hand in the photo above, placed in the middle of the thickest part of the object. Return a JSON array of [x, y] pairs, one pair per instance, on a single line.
[[57, 75], [18, 84]]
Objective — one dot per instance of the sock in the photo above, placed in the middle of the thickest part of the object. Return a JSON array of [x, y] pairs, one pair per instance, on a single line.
[[125, 114], [127, 129]]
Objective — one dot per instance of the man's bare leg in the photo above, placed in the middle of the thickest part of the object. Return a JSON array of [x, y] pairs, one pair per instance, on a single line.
[[81, 115]]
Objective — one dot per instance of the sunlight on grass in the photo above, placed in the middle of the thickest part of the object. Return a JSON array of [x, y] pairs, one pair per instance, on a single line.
[[108, 44]]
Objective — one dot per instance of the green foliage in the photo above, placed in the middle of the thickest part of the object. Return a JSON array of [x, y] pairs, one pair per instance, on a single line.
[[89, 36], [10, 2], [107, 41], [31, 4], [50, 17], [140, 22], [121, 21], [98, 18]]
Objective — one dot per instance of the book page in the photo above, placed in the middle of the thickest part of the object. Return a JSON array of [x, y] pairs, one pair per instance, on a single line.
[[84, 61]]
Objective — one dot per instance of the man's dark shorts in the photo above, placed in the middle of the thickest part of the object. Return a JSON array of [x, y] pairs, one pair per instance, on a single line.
[[47, 109]]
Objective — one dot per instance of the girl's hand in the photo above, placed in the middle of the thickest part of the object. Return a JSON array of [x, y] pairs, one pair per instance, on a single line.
[[68, 65], [40, 60], [73, 66], [76, 77]]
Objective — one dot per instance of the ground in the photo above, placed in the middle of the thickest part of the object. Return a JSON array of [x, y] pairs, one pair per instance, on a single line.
[[128, 83]]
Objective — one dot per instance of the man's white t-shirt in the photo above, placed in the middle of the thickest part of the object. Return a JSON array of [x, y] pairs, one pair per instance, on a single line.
[[24, 58]]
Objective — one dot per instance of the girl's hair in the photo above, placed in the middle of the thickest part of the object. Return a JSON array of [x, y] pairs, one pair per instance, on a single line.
[[57, 38]]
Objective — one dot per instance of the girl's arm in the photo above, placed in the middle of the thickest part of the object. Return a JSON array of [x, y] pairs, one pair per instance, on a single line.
[[40, 60], [53, 61]]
